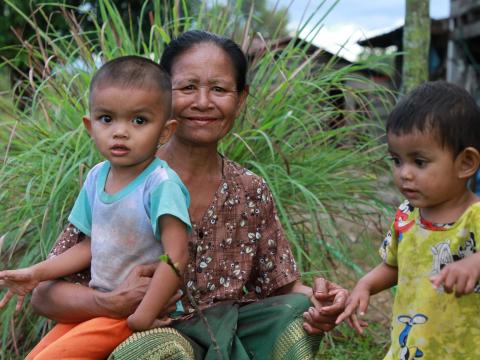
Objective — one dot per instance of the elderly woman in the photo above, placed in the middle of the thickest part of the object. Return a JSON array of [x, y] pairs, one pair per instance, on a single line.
[[241, 270]]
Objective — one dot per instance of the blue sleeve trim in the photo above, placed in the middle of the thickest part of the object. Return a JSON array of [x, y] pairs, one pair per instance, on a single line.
[[169, 198]]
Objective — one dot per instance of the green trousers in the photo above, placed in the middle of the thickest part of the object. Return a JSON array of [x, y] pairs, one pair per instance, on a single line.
[[267, 329]]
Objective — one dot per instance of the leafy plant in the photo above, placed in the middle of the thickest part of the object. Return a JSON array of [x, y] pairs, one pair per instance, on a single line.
[[320, 159]]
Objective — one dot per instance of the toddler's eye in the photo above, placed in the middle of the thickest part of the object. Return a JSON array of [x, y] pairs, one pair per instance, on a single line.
[[139, 120], [395, 160], [105, 119], [420, 162]]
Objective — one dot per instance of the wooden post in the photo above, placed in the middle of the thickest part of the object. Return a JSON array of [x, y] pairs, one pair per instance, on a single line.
[[416, 44]]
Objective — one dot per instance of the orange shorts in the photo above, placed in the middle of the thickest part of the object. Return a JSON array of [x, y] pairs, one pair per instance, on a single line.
[[92, 339]]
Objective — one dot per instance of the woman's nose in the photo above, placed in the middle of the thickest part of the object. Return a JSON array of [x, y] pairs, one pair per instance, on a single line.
[[202, 97]]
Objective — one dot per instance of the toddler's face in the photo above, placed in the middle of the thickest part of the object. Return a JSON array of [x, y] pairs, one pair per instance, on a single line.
[[424, 171], [126, 124]]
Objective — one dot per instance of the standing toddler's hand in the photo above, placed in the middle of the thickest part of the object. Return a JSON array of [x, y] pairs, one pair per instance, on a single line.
[[460, 276], [19, 282], [356, 302]]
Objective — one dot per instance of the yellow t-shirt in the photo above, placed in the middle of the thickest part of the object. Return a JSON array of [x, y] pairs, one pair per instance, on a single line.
[[430, 324]]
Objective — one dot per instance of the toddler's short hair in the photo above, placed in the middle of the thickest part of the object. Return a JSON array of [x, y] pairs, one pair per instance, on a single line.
[[440, 107], [133, 71]]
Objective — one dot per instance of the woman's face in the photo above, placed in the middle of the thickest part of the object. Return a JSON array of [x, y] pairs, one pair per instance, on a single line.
[[205, 98]]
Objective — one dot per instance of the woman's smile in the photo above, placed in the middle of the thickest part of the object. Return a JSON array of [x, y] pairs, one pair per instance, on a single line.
[[202, 121]]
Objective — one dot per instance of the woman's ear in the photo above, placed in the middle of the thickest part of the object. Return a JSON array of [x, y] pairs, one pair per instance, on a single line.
[[242, 99], [468, 162], [167, 132], [88, 124]]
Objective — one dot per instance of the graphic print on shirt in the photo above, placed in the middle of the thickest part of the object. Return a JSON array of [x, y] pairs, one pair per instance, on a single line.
[[412, 352], [402, 223]]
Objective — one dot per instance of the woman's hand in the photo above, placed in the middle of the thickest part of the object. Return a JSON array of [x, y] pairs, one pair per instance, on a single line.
[[68, 302], [329, 301], [122, 301]]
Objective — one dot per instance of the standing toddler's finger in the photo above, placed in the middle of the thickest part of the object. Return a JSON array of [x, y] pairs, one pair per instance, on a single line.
[[460, 286], [349, 310], [449, 282], [356, 324], [436, 281], [350, 323], [362, 306], [341, 318], [470, 285]]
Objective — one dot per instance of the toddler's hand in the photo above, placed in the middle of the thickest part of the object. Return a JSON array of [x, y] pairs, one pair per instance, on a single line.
[[460, 276], [137, 322], [19, 282], [165, 321], [356, 302]]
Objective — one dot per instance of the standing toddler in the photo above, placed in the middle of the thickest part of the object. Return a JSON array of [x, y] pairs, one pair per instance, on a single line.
[[430, 252]]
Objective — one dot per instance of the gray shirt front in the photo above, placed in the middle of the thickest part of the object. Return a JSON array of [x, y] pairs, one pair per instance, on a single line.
[[124, 226]]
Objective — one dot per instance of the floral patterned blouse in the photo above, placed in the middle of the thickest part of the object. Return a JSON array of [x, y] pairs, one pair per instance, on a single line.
[[238, 251]]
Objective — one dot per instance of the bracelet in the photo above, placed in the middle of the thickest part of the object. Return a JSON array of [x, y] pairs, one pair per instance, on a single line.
[[168, 260]]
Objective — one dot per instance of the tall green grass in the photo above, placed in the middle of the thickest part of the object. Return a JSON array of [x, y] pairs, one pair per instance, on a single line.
[[321, 177]]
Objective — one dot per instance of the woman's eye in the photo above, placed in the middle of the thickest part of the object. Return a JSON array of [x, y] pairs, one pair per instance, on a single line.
[[188, 88], [218, 89], [139, 120], [105, 119]]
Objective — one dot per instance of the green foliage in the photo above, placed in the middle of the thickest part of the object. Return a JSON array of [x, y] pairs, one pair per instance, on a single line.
[[14, 28], [345, 344], [270, 21], [320, 160]]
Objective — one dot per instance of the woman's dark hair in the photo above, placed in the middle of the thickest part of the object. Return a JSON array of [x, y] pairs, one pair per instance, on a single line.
[[194, 37], [445, 109]]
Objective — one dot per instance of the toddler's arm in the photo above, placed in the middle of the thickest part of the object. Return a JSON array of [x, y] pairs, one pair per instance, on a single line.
[[380, 278], [165, 282], [22, 281], [460, 276]]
